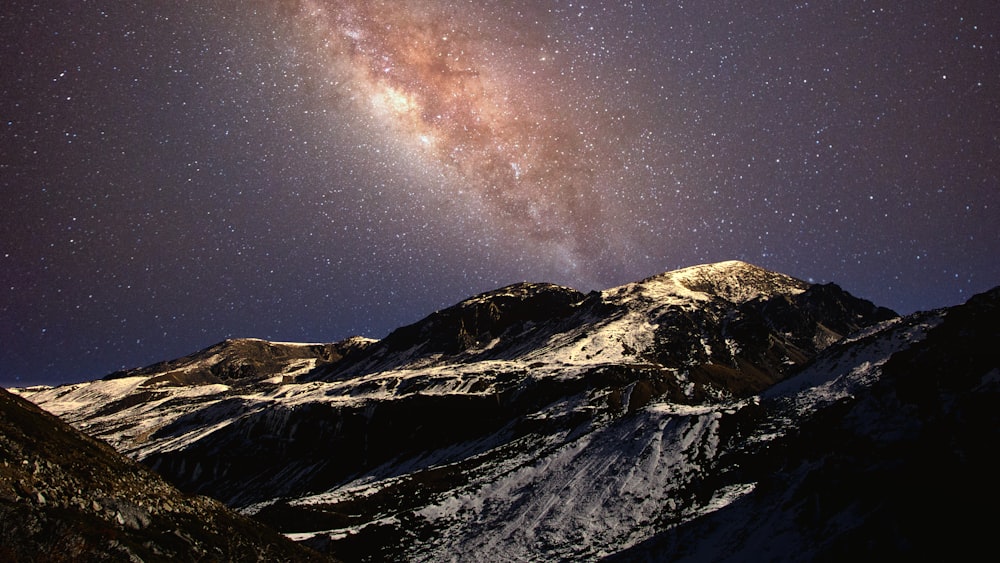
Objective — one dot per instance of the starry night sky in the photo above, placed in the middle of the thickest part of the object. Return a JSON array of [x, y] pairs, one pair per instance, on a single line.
[[178, 173]]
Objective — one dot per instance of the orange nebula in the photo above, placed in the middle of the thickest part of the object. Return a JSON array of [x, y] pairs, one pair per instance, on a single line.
[[439, 83]]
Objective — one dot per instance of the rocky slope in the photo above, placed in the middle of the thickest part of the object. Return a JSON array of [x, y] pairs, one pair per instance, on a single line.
[[531, 422], [67, 497], [892, 460]]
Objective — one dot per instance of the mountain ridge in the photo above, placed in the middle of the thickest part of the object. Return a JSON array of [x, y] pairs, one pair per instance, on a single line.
[[492, 429]]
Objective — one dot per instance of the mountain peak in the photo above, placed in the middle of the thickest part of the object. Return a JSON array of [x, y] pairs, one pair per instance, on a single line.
[[732, 280]]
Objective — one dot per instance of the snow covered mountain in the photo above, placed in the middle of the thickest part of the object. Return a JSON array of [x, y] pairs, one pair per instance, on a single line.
[[536, 422]]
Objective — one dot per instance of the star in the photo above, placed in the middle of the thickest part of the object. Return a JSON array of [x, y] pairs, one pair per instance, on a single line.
[[308, 170]]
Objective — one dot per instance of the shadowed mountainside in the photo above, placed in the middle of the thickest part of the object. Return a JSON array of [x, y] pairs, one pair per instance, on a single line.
[[67, 497]]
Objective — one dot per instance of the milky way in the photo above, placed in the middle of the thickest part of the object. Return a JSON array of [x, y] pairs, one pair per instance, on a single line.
[[174, 174], [496, 130]]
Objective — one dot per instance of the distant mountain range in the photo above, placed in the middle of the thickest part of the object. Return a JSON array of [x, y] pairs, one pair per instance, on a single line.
[[719, 412]]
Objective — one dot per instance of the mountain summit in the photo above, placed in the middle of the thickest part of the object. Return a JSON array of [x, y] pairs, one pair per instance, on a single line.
[[538, 422]]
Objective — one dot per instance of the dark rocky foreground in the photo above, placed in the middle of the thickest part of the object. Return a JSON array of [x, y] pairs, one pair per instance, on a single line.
[[67, 497]]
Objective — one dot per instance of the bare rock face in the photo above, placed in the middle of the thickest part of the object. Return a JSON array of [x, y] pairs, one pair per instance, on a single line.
[[494, 321], [537, 422]]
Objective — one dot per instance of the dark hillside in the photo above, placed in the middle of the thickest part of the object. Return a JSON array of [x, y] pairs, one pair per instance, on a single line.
[[67, 497]]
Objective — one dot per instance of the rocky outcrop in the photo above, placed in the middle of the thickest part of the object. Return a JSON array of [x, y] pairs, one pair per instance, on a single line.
[[485, 326]]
